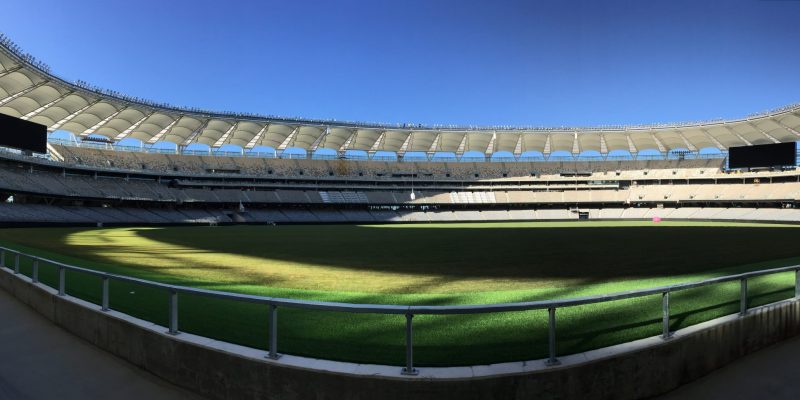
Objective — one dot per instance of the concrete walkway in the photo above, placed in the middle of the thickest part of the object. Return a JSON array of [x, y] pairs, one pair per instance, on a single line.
[[772, 373], [39, 360]]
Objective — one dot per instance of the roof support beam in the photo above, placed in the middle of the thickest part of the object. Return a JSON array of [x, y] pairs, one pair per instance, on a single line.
[[68, 118], [163, 132], [631, 146], [462, 145], [128, 131], [319, 140], [349, 141], [689, 144], [547, 149], [224, 138], [733, 132], [660, 145], [518, 146], [101, 123], [10, 70], [763, 133], [603, 144], [45, 107], [788, 129], [289, 139], [406, 144], [711, 137], [436, 144], [196, 133], [21, 93], [257, 138], [492, 144], [377, 145], [576, 145]]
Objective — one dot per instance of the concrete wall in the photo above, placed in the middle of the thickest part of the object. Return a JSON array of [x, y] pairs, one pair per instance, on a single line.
[[221, 371]]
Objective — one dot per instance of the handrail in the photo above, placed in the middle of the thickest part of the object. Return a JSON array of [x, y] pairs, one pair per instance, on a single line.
[[408, 310]]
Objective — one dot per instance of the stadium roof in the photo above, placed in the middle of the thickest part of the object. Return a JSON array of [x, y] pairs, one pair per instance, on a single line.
[[28, 90]]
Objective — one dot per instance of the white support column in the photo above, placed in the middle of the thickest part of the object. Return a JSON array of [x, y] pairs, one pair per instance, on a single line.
[[68, 118], [46, 106]]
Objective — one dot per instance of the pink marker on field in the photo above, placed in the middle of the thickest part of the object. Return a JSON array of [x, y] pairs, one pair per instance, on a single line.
[[656, 219]]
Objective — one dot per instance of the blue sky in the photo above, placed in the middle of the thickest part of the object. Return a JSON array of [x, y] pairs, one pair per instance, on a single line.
[[542, 63]]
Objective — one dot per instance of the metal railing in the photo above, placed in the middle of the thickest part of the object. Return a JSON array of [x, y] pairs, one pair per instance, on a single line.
[[408, 311]]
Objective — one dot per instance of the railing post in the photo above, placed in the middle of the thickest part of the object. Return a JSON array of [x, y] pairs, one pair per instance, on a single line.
[[409, 368], [797, 283], [551, 337], [2, 258], [743, 296], [35, 273], [104, 303], [173, 312], [16, 264], [62, 281], [666, 334], [273, 332]]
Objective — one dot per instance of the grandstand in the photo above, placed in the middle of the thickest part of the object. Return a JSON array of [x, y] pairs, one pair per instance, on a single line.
[[369, 171]]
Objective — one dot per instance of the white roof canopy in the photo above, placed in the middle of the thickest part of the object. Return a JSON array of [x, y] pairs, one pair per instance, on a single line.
[[29, 91]]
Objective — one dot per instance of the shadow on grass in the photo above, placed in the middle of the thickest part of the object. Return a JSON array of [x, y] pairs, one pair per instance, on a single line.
[[588, 254]]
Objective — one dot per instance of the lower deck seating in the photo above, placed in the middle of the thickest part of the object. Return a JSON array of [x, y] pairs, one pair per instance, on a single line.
[[39, 213]]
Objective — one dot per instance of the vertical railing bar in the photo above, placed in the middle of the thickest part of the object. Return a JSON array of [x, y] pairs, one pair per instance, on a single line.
[[2, 258], [35, 272], [273, 333], [666, 334], [173, 312], [409, 368], [62, 281], [743, 296], [16, 264], [104, 304], [551, 337], [797, 283]]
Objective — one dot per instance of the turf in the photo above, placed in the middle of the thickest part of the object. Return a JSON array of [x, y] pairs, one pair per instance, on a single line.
[[425, 264]]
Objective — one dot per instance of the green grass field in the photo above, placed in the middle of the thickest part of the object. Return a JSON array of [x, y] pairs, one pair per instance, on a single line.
[[430, 264]]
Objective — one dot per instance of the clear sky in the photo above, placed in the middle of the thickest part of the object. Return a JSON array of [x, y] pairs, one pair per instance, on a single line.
[[542, 63]]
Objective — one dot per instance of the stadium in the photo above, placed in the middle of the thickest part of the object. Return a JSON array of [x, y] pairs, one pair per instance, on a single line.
[[391, 260]]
